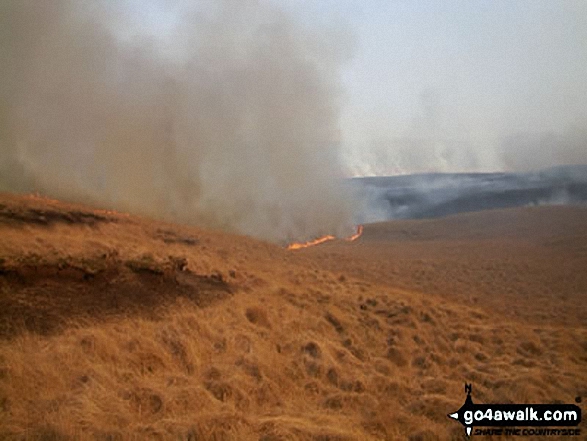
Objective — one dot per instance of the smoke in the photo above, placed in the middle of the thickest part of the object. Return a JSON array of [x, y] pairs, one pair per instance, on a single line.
[[532, 151], [435, 142], [451, 89], [222, 114], [428, 144]]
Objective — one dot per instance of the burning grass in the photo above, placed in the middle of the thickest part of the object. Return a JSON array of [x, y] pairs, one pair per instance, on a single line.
[[323, 239]]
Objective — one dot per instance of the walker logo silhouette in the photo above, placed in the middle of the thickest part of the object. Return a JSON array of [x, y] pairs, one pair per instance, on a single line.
[[511, 416]]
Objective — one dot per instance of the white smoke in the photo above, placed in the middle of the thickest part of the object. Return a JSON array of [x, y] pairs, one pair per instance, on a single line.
[[224, 114]]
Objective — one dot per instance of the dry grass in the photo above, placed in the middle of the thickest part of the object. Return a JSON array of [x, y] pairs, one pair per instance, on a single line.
[[524, 264], [137, 330]]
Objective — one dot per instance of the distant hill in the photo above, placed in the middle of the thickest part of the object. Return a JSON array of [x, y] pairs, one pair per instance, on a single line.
[[433, 195]]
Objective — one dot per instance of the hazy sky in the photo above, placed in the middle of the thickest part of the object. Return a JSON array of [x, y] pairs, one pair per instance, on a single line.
[[450, 85], [441, 84]]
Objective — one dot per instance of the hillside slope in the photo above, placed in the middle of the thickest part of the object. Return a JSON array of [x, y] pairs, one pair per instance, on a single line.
[[116, 327]]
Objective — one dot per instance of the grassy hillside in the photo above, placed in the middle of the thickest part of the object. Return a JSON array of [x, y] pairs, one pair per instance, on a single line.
[[114, 327]]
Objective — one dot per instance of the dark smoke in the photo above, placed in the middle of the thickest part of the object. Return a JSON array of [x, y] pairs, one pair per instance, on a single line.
[[224, 120]]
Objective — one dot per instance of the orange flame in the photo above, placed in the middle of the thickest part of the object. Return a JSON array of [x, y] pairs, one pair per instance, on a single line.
[[356, 235], [300, 245]]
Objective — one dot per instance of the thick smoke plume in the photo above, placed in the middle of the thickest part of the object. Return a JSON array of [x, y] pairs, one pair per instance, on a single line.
[[224, 116], [438, 141]]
